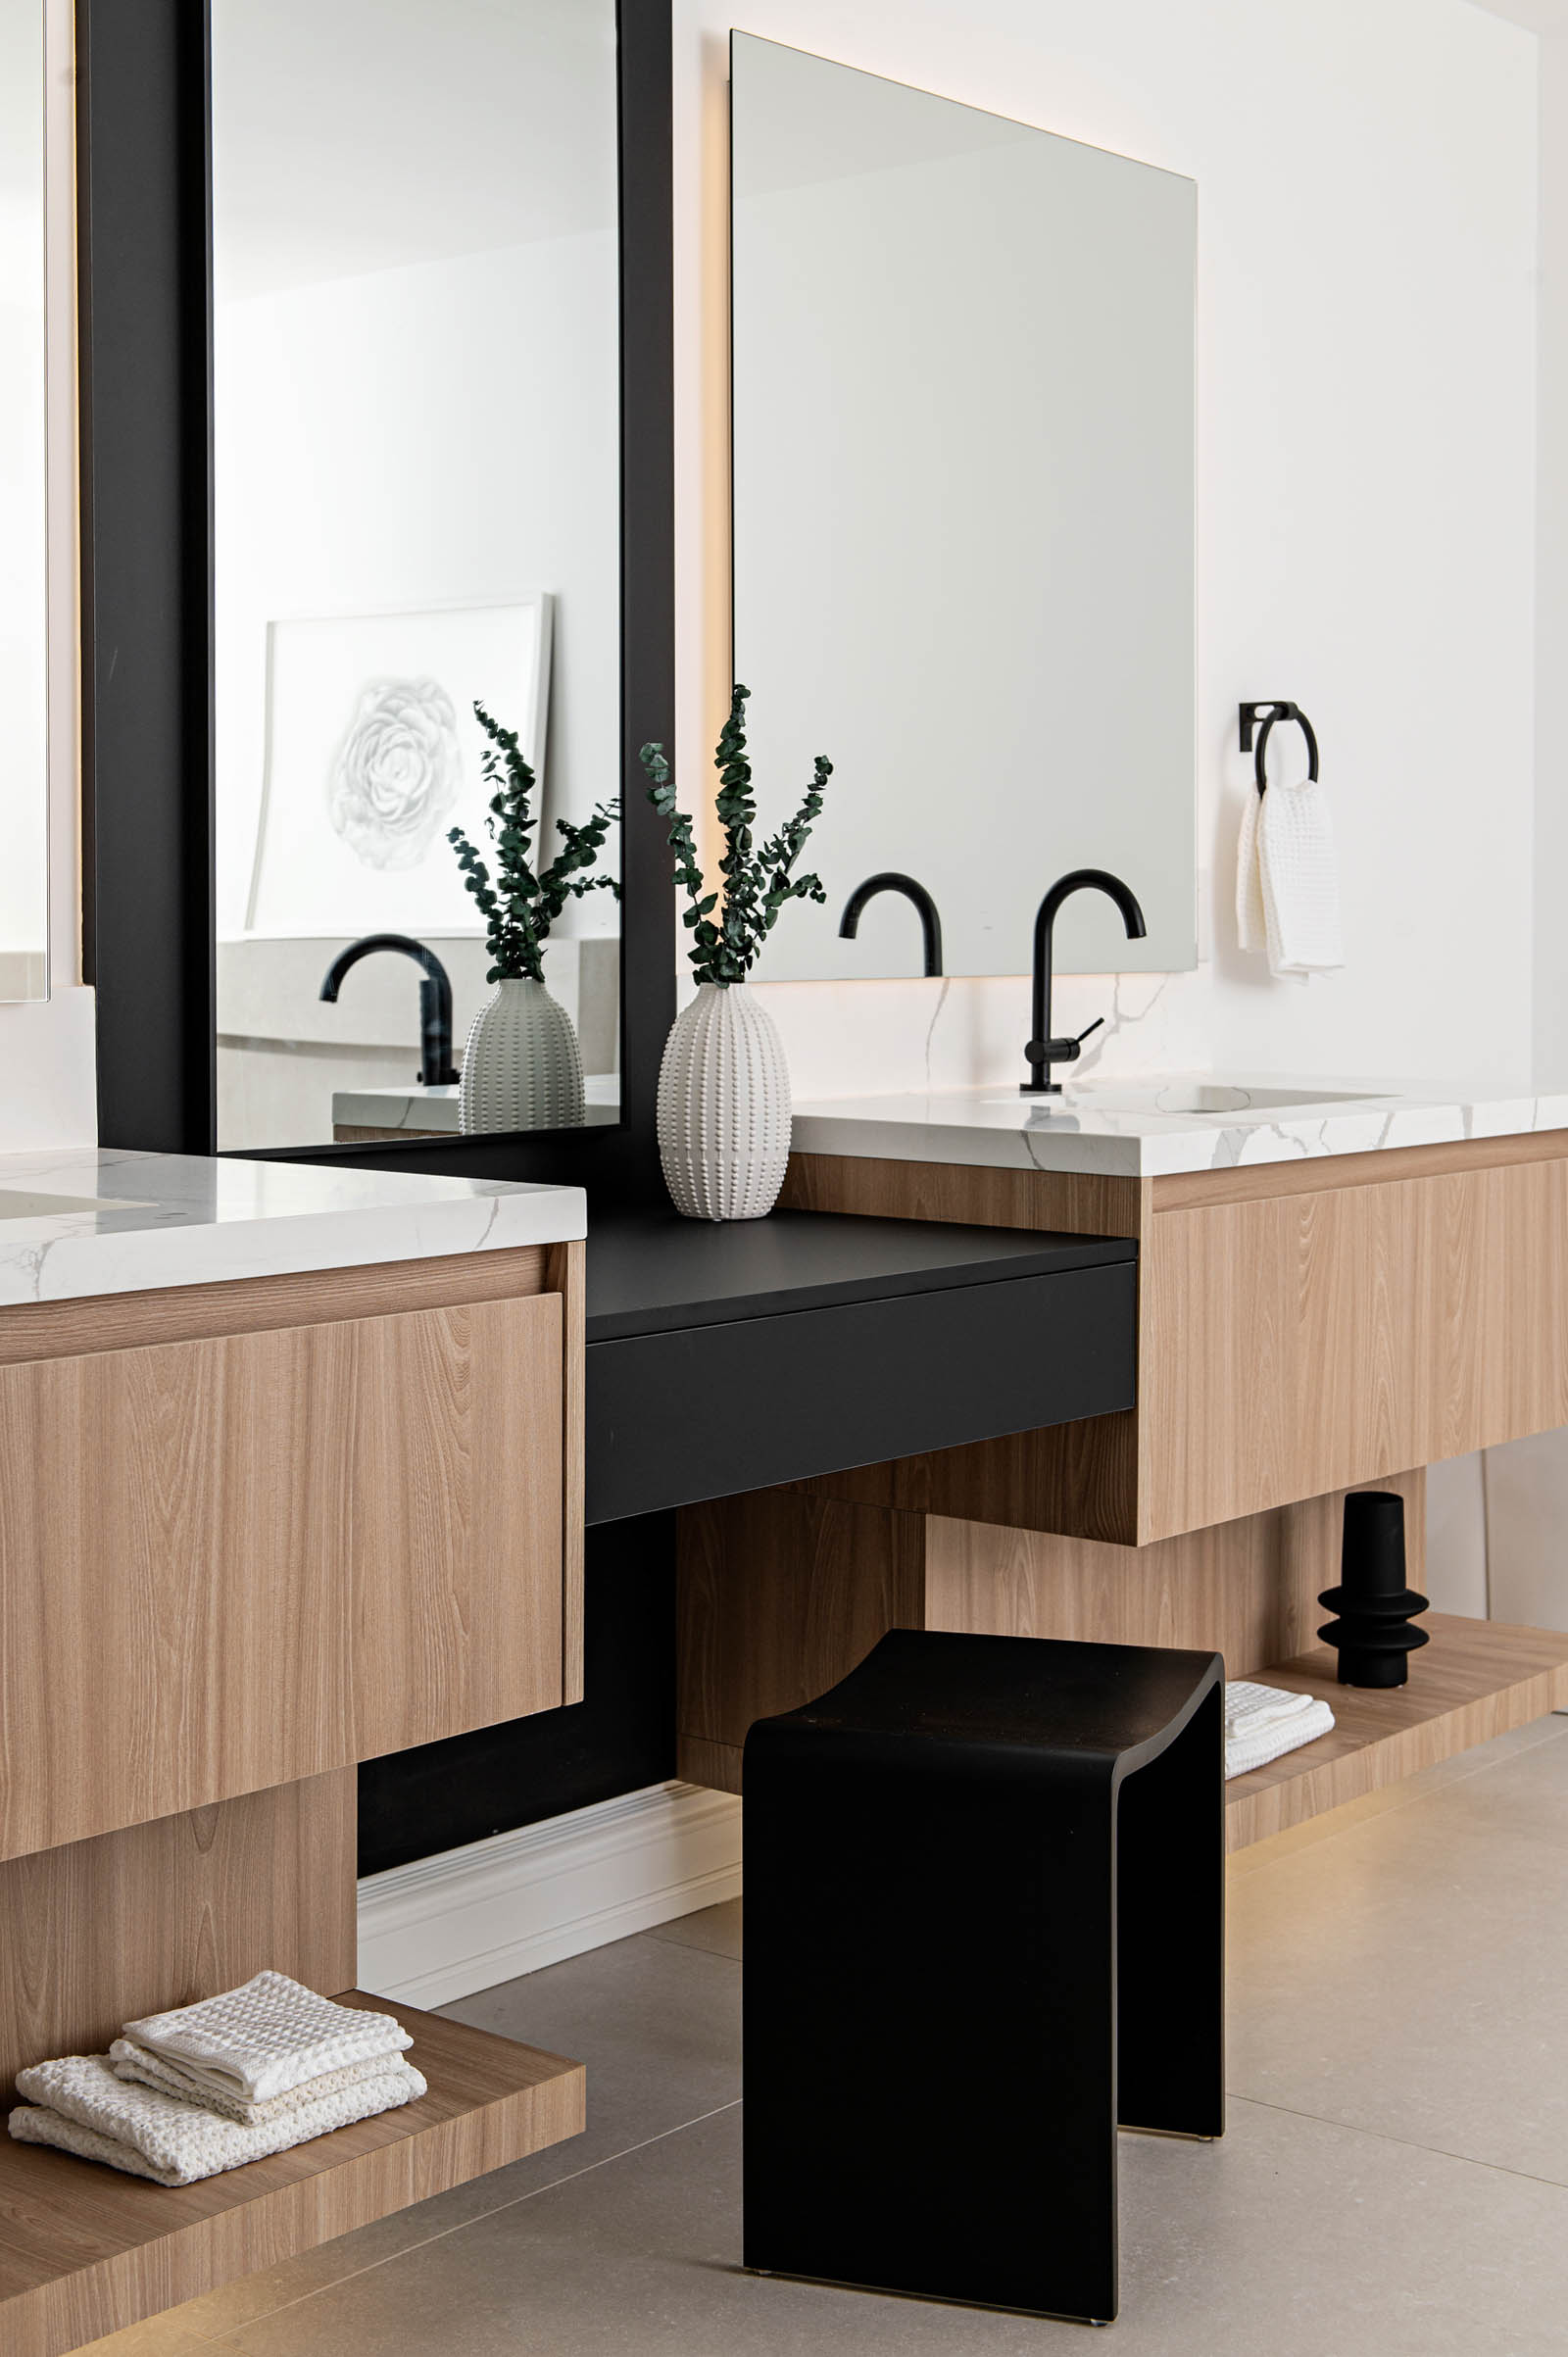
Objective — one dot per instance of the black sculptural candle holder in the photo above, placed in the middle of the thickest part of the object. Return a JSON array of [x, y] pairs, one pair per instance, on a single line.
[[1373, 1633]]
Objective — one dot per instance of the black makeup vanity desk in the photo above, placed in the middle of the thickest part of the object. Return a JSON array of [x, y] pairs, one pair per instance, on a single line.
[[731, 1357]]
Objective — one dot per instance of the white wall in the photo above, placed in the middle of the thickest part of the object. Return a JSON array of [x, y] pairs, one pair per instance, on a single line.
[[1366, 175], [1551, 720]]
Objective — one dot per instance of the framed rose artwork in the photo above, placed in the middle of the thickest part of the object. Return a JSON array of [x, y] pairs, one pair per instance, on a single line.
[[372, 753]]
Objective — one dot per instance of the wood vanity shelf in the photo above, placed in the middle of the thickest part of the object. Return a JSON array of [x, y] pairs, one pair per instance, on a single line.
[[252, 1533], [1303, 1328]]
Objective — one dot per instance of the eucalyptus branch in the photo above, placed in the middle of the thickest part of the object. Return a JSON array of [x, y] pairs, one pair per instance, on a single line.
[[756, 883], [518, 904]]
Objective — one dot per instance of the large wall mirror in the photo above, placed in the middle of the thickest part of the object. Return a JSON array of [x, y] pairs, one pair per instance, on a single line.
[[964, 357], [24, 643], [417, 507]]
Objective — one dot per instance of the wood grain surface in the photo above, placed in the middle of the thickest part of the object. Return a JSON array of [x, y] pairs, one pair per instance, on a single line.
[[228, 1563], [85, 2251], [453, 1548], [1078, 1202], [1247, 1589], [96, 1933], [120, 1321], [779, 1596], [1304, 1344], [566, 1274], [1476, 1679]]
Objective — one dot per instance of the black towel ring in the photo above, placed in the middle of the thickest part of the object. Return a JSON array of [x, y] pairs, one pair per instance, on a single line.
[[1262, 716]]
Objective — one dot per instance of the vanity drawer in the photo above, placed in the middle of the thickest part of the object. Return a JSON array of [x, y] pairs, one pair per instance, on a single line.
[[232, 1561], [712, 1410]]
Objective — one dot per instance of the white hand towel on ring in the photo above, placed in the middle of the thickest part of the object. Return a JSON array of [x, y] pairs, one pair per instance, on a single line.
[[1288, 880]]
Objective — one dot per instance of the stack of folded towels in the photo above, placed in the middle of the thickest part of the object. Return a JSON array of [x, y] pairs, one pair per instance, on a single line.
[[1265, 1722], [187, 2094]]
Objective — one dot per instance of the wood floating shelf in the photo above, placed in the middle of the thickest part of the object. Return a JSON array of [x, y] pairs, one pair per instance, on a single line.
[[1475, 1680], [85, 2251]]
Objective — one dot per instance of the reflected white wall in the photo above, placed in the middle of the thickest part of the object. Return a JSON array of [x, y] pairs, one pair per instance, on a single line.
[[964, 434]]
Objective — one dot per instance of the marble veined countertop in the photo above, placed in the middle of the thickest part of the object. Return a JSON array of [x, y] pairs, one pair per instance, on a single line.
[[78, 1222], [1153, 1124]]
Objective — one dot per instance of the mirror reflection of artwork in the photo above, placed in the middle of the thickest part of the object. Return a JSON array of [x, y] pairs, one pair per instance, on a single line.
[[398, 771], [372, 753], [416, 435]]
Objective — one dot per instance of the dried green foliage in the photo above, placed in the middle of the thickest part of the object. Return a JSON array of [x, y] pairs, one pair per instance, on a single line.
[[520, 907], [758, 882]]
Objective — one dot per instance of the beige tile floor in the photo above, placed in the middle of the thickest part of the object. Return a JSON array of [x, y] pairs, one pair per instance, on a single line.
[[1394, 2182]]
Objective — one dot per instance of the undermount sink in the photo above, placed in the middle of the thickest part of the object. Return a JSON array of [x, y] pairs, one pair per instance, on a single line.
[[1184, 1097], [17, 1202], [1207, 1097]]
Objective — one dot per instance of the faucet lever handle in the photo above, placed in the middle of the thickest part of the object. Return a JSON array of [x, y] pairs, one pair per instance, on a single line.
[[1094, 1026]]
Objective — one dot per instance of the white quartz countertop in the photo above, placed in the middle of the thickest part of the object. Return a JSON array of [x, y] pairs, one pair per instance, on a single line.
[[1146, 1126], [83, 1222]]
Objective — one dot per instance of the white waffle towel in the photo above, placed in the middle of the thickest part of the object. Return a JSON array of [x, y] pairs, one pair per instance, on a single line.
[[1265, 1722], [79, 2105], [135, 2063], [265, 2037], [1288, 882]]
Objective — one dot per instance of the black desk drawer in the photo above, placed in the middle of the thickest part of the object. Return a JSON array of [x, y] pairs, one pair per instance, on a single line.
[[711, 1411]]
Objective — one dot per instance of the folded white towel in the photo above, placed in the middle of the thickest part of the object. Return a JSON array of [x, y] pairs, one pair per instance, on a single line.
[[1286, 880], [1265, 1722], [135, 2063], [265, 2037], [79, 2105]]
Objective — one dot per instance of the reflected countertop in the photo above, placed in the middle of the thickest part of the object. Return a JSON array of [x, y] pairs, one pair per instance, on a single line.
[[434, 1111], [75, 1222], [1152, 1126]]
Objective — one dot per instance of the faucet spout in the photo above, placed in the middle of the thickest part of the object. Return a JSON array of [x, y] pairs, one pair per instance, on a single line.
[[1042, 1049], [435, 999], [891, 881]]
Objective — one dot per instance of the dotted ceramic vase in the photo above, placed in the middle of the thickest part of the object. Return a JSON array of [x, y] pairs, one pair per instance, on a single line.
[[522, 1069], [724, 1107]]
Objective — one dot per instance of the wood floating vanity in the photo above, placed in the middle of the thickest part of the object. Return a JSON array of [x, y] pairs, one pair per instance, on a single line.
[[1306, 1325], [292, 1474], [255, 1528]]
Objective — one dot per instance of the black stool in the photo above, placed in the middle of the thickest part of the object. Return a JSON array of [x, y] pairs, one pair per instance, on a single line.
[[984, 1924]]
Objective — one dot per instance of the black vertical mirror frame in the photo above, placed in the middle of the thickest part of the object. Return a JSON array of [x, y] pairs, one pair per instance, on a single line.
[[144, 180]]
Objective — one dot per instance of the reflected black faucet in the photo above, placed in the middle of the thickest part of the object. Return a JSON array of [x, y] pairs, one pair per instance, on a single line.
[[435, 999], [1042, 1051], [891, 881]]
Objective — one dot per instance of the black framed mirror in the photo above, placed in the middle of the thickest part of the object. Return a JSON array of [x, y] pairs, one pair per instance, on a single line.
[[376, 423]]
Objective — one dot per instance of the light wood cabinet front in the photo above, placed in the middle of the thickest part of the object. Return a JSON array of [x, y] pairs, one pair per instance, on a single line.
[[230, 1562], [1301, 1342], [456, 1538]]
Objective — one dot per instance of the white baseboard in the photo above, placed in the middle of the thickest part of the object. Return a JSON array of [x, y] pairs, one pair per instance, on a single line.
[[445, 1926]]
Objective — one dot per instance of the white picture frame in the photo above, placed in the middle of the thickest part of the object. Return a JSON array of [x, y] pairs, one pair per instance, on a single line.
[[371, 752]]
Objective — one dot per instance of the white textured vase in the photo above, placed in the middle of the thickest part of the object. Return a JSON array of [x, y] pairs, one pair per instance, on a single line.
[[724, 1107], [522, 1069]]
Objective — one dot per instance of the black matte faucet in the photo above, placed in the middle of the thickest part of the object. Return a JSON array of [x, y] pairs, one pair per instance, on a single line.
[[435, 999], [891, 881], [1042, 1051]]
